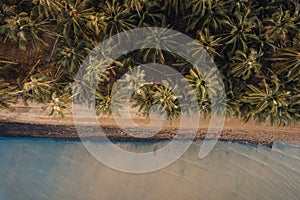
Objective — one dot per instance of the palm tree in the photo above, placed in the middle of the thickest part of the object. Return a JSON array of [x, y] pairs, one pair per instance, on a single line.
[[117, 18], [177, 7], [71, 55], [209, 42], [245, 64], [7, 96], [107, 102], [150, 14], [282, 27], [77, 20], [239, 32], [268, 101], [50, 9], [24, 30], [135, 4], [39, 88], [206, 14], [58, 104], [167, 100], [162, 41], [205, 85], [144, 99], [196, 79], [289, 63]]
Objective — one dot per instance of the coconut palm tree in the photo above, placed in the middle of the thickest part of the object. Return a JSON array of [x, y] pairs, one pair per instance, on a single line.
[[77, 20], [39, 88], [25, 30], [107, 102], [144, 99], [7, 96], [282, 27], [117, 18], [268, 101], [49, 9], [209, 42], [136, 5], [245, 64], [163, 42], [167, 100], [71, 55], [289, 63], [175, 7], [206, 14], [58, 104], [150, 14], [239, 32]]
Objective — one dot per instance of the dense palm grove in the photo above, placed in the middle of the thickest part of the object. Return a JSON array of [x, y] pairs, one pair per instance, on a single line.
[[255, 44]]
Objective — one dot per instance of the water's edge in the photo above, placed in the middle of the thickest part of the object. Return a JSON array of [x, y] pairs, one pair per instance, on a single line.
[[25, 130]]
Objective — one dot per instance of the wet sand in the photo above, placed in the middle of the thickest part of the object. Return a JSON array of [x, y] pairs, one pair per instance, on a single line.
[[31, 121]]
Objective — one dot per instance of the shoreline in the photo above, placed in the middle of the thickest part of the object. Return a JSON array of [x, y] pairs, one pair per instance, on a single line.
[[12, 130], [31, 122], [27, 130]]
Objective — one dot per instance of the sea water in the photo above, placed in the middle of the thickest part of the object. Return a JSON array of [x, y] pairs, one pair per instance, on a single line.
[[55, 169]]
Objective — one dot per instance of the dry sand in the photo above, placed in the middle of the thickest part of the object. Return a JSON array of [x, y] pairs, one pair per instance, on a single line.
[[31, 121]]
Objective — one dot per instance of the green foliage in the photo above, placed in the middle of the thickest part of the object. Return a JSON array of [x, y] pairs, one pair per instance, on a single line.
[[39, 87], [50, 9], [103, 101], [117, 18], [206, 13], [135, 4], [245, 64], [255, 44], [159, 41], [175, 7], [53, 94], [166, 99], [24, 30], [289, 64], [268, 102], [145, 99], [72, 55], [205, 85], [150, 15], [282, 27], [7, 96], [240, 33], [58, 104], [209, 42], [197, 81], [78, 20]]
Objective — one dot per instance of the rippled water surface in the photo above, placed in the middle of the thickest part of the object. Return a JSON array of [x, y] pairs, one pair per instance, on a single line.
[[58, 169]]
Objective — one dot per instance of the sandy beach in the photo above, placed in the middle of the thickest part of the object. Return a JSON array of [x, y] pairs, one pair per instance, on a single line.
[[32, 121]]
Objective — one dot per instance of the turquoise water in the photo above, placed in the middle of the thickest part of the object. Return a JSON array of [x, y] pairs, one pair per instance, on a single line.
[[58, 169]]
